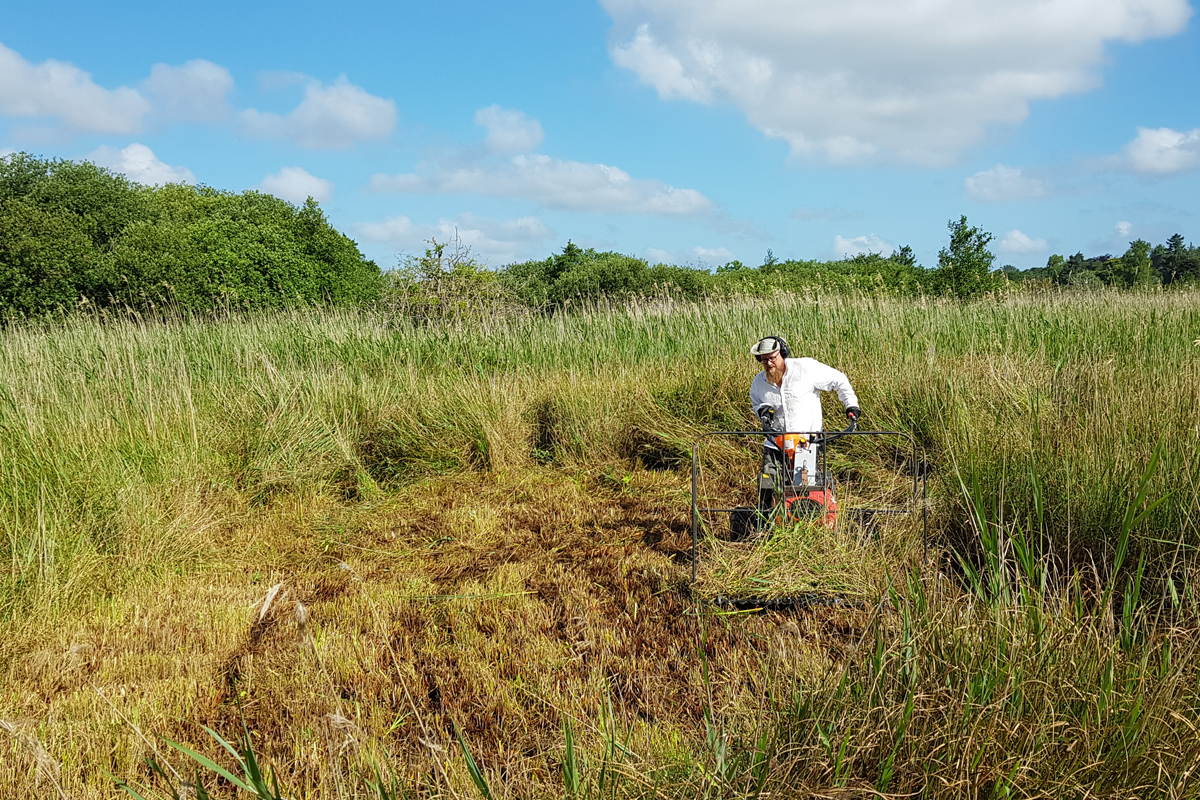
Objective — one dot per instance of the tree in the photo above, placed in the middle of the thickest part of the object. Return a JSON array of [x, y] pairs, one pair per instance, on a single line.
[[578, 274], [965, 267], [1134, 268], [1012, 273], [1189, 264], [1055, 266], [70, 231], [46, 263], [1175, 261], [100, 203], [447, 282], [904, 256]]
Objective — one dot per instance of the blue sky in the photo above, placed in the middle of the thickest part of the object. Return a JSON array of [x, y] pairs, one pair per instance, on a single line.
[[684, 131]]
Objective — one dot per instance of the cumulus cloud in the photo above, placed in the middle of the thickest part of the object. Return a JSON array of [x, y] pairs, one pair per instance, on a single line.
[[699, 255], [138, 163], [656, 255], [509, 131], [329, 118], [878, 80], [193, 92], [1163, 151], [552, 182], [861, 245], [67, 95], [1123, 228], [510, 169], [491, 240], [296, 185], [661, 68], [1017, 242], [1004, 183], [713, 255]]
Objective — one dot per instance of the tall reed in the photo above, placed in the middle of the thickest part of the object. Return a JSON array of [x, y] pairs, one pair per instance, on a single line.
[[125, 443]]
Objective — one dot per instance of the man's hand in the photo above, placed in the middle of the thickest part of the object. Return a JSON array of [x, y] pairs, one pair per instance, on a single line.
[[766, 415], [854, 412]]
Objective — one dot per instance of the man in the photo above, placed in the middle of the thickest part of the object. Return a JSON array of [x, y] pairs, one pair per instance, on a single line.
[[786, 396]]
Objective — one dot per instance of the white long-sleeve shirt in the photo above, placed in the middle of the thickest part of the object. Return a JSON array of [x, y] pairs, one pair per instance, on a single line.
[[798, 400]]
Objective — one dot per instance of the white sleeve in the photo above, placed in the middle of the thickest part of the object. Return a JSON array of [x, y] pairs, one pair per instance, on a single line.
[[758, 394], [828, 379], [759, 389]]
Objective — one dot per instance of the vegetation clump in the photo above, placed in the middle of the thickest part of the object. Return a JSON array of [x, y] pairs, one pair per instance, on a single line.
[[76, 236]]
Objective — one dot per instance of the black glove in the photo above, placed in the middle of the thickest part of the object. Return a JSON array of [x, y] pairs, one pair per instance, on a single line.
[[854, 412], [766, 414]]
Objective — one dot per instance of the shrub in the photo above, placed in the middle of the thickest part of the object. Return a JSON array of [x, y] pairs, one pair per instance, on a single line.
[[576, 274], [75, 234]]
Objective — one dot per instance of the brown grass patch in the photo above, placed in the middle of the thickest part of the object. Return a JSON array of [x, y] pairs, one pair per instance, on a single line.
[[500, 604]]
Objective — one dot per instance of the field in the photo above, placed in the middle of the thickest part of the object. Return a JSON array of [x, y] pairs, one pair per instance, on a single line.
[[452, 559]]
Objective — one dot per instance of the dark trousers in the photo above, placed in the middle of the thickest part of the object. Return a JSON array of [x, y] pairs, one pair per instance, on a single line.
[[772, 475]]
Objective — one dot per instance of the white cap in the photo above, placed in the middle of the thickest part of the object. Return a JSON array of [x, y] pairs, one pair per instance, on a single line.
[[763, 346]]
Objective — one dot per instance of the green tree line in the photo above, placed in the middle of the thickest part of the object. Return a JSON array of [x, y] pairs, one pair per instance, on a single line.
[[966, 268], [1172, 262], [441, 283], [75, 235]]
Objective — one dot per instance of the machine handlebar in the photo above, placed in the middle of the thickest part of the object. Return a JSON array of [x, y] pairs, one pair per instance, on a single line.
[[826, 438]]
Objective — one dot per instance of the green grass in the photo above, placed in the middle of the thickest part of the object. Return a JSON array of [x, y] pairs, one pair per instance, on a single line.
[[484, 511]]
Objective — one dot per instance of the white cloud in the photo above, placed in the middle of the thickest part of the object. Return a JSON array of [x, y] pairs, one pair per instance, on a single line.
[[491, 240], [699, 256], [66, 94], [656, 255], [860, 245], [1016, 242], [660, 68], [713, 255], [296, 185], [1123, 228], [1004, 183], [896, 80], [193, 92], [552, 182], [1163, 151], [509, 131], [330, 117], [138, 163]]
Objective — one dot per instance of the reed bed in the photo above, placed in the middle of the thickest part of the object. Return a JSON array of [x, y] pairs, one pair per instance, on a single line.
[[481, 529]]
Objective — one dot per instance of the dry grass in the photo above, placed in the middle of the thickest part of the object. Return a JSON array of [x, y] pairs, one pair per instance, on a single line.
[[505, 607]]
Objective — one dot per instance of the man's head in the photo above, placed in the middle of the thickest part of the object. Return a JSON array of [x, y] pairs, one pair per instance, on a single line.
[[770, 347]]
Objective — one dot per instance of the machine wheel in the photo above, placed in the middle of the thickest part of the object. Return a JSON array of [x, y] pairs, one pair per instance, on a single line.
[[817, 505]]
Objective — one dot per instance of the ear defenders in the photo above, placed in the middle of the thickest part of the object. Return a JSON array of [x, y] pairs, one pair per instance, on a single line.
[[783, 346]]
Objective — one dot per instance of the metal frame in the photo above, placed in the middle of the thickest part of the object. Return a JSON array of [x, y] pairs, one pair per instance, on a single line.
[[824, 440]]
